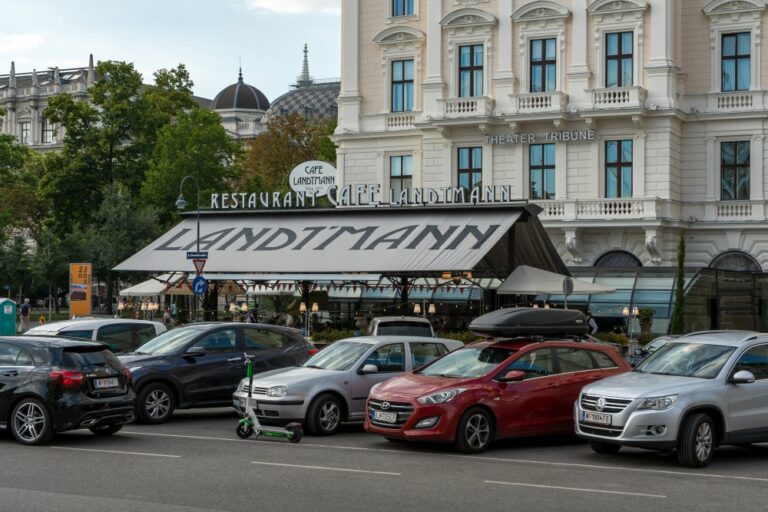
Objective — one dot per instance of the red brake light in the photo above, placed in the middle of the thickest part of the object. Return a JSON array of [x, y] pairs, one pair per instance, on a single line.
[[67, 378], [312, 351], [128, 375]]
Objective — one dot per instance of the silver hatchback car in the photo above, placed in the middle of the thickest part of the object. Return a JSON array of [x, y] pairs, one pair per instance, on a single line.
[[332, 386], [695, 393]]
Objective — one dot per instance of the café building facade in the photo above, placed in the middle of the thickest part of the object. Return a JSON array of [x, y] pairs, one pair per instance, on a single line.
[[631, 123]]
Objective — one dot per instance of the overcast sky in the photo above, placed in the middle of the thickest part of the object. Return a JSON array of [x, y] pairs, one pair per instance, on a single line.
[[208, 36]]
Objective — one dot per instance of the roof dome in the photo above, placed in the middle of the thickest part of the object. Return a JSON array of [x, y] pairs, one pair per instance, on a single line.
[[317, 101], [240, 96]]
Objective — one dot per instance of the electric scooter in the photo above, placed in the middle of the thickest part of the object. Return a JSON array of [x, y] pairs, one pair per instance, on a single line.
[[250, 424]]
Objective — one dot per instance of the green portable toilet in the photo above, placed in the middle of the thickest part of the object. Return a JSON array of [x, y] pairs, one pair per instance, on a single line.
[[7, 317]]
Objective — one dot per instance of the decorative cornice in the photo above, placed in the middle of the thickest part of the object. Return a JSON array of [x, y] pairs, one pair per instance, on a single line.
[[716, 7], [399, 35], [616, 6], [540, 10], [468, 17]]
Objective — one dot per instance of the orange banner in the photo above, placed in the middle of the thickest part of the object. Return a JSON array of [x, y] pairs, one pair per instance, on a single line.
[[80, 289]]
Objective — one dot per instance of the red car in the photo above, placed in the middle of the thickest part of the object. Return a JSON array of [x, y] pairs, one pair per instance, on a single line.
[[492, 389]]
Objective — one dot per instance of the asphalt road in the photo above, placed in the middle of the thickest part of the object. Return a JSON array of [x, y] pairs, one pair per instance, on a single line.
[[196, 463]]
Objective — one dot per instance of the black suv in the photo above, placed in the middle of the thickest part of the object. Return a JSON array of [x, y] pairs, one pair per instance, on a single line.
[[200, 365], [50, 384]]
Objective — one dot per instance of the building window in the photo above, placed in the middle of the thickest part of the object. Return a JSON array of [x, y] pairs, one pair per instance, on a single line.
[[470, 168], [618, 168], [24, 133], [471, 70], [402, 86], [735, 62], [47, 131], [400, 174], [618, 59], [402, 7], [542, 170], [734, 171], [543, 65]]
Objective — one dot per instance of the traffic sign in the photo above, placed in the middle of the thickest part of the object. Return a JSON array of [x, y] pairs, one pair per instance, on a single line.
[[199, 285], [193, 255], [199, 265]]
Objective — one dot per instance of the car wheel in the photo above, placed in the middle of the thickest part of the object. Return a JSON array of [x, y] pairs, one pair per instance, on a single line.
[[31, 422], [696, 442], [324, 415], [106, 430], [154, 404], [475, 432], [599, 447]]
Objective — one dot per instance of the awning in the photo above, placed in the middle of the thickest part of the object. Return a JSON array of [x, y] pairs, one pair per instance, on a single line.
[[154, 287], [527, 280], [489, 241]]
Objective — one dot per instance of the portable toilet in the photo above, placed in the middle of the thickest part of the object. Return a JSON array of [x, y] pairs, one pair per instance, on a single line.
[[7, 317]]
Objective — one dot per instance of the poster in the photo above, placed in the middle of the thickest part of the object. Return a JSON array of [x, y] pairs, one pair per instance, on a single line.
[[79, 289]]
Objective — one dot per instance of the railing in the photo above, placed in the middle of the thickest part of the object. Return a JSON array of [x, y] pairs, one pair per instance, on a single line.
[[734, 210], [618, 97], [605, 209], [400, 120], [541, 102], [243, 126], [612, 208], [553, 209], [736, 101], [467, 107]]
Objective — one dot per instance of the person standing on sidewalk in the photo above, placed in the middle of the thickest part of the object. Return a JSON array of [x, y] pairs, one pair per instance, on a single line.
[[24, 311]]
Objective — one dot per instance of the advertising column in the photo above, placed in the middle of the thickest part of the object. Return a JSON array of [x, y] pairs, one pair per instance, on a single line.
[[80, 289]]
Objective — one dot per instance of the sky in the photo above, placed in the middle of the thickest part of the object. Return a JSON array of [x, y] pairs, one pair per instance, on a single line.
[[210, 37]]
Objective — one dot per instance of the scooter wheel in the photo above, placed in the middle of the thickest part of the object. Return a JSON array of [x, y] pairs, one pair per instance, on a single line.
[[244, 431], [296, 433]]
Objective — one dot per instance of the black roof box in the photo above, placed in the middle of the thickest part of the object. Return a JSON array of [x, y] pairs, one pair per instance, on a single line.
[[513, 322]]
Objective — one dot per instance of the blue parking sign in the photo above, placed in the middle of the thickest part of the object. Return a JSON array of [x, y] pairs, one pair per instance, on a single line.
[[199, 285]]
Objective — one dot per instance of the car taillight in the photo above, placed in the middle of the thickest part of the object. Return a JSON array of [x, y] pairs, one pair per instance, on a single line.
[[312, 351], [67, 379], [128, 375]]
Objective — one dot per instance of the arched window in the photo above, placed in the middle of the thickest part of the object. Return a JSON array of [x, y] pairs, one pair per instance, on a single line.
[[736, 261], [618, 259]]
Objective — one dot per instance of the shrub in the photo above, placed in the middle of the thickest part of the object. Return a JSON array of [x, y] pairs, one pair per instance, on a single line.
[[331, 335], [612, 337], [466, 337]]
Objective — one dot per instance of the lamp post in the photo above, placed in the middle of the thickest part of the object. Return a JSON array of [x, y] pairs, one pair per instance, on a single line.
[[181, 203], [631, 314]]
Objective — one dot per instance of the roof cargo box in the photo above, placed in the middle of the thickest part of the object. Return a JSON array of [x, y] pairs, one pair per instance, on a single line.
[[513, 322]]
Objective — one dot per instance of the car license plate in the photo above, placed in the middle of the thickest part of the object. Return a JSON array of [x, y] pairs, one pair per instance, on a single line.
[[385, 417], [106, 383], [596, 417]]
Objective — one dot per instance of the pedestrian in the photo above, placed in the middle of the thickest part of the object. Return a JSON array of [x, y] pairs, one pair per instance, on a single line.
[[24, 314], [167, 315], [591, 323], [250, 318]]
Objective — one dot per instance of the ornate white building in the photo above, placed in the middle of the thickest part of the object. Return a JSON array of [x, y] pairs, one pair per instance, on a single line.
[[631, 122]]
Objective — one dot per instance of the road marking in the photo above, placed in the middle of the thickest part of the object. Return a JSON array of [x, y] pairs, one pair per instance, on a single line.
[[490, 459], [118, 452], [346, 470], [613, 468], [600, 491]]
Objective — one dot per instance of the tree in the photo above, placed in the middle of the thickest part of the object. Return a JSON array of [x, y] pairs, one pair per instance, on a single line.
[[197, 145], [286, 142], [20, 206], [119, 230], [677, 323], [110, 136]]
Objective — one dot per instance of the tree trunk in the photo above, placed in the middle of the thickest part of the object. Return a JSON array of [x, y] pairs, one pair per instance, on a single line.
[[110, 290]]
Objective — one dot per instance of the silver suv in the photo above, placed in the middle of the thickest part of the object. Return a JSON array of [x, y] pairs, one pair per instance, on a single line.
[[695, 393]]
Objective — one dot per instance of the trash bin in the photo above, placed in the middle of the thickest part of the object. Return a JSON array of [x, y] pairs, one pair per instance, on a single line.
[[7, 317]]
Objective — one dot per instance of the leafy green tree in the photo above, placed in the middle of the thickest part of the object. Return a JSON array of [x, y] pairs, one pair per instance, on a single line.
[[119, 231], [677, 322], [194, 144], [286, 142]]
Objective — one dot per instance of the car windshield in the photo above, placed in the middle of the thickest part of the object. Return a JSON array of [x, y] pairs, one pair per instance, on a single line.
[[404, 329], [468, 362], [687, 360], [340, 356], [171, 341]]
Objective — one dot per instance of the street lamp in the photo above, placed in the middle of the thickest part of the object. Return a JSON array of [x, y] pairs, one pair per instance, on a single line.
[[181, 203], [630, 314]]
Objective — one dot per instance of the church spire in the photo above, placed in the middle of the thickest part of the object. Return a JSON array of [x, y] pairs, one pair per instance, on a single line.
[[304, 79]]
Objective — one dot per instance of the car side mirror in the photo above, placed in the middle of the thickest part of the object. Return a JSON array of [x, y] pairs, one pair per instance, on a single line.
[[195, 352], [742, 377], [369, 368], [513, 376]]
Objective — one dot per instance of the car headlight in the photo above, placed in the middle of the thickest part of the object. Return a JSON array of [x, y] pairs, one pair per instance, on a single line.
[[441, 397], [658, 403], [277, 391]]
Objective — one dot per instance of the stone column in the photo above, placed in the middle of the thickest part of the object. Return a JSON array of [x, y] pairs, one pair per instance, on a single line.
[[504, 80], [662, 73], [579, 74], [433, 85], [349, 99]]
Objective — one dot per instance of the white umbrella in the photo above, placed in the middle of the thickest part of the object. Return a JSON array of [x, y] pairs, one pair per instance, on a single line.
[[527, 280]]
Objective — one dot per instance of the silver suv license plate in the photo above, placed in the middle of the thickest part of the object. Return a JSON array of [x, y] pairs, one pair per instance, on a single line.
[[596, 417]]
